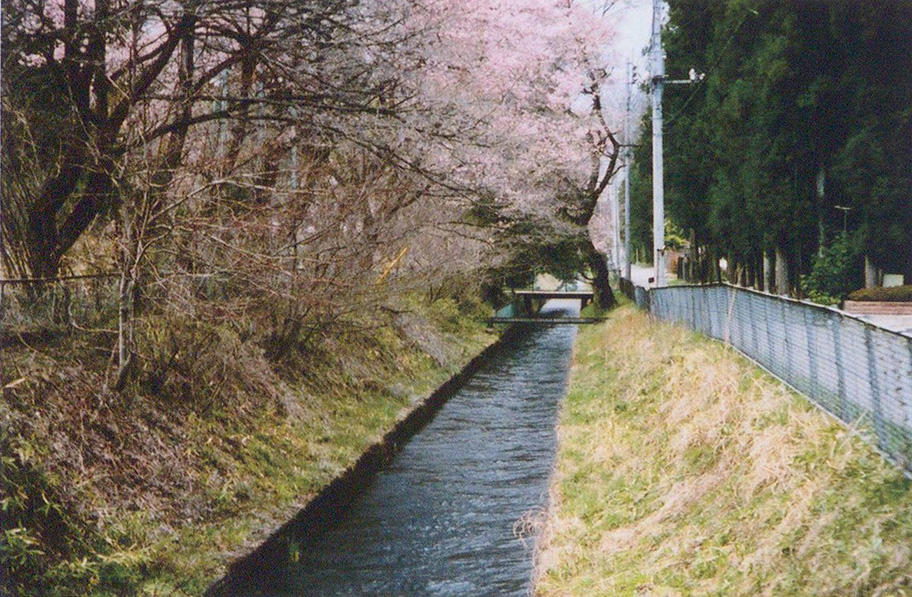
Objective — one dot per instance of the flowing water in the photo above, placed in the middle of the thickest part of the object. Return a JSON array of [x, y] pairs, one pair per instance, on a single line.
[[447, 516]]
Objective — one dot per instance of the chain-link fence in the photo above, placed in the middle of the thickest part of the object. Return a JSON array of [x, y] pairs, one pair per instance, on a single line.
[[86, 303], [859, 372]]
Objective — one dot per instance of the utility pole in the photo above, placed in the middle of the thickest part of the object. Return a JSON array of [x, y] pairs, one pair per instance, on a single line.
[[616, 227], [628, 158], [658, 192], [657, 59]]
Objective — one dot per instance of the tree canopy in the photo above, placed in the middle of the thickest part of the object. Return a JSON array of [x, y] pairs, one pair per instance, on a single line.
[[304, 159], [805, 107]]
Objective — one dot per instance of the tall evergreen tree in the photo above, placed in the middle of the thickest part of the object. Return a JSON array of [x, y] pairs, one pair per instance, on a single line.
[[804, 107]]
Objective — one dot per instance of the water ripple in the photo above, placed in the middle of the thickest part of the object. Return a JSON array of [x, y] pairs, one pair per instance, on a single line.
[[440, 519]]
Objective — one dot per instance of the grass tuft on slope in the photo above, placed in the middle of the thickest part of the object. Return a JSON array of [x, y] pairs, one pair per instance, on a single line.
[[155, 493], [683, 469]]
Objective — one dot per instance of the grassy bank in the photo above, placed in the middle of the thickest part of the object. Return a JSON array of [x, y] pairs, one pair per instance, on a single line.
[[154, 493], [684, 470]]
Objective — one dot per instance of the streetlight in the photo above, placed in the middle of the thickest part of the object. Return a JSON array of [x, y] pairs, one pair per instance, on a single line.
[[845, 209]]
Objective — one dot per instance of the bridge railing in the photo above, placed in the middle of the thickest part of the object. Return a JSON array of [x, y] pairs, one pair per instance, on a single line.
[[859, 372]]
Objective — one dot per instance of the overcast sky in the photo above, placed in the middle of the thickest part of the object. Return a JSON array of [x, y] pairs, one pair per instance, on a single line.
[[632, 22]]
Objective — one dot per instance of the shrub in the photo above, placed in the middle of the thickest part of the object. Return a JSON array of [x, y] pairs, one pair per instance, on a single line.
[[836, 270], [898, 294], [822, 299]]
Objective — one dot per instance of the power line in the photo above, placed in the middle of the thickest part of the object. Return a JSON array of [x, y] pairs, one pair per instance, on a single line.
[[710, 69]]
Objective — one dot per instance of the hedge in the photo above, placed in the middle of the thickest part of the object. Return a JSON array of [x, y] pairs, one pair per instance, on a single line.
[[896, 294]]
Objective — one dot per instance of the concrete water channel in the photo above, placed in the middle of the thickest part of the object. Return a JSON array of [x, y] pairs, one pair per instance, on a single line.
[[447, 516]]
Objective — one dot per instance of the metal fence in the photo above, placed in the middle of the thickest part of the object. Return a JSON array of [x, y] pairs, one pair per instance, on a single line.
[[859, 372], [87, 303]]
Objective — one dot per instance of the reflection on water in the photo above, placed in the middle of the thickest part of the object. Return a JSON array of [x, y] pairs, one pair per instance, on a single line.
[[442, 518]]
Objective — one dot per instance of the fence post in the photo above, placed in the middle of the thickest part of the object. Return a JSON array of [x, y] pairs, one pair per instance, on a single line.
[[737, 330], [711, 312], [907, 411], [788, 345], [767, 320], [875, 391], [692, 316], [755, 346], [714, 309], [908, 405], [840, 370], [727, 335], [811, 338]]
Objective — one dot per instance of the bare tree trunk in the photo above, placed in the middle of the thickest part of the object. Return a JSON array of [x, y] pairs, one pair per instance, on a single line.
[[124, 329], [601, 283], [870, 273], [782, 277], [759, 272], [821, 194], [715, 270]]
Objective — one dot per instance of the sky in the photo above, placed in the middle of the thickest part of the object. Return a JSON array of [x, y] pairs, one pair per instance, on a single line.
[[633, 21]]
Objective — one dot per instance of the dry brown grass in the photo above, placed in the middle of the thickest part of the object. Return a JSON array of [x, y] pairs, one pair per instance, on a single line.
[[150, 492], [685, 470]]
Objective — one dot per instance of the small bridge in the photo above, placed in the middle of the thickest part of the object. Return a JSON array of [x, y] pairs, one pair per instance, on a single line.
[[533, 300], [546, 320], [530, 297]]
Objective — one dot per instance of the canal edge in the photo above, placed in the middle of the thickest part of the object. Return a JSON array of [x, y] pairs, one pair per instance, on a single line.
[[319, 512]]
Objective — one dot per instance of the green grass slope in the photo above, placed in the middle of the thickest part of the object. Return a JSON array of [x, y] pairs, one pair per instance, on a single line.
[[154, 493], [685, 470]]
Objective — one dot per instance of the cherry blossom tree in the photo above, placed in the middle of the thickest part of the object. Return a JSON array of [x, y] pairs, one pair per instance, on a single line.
[[297, 152], [503, 86]]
